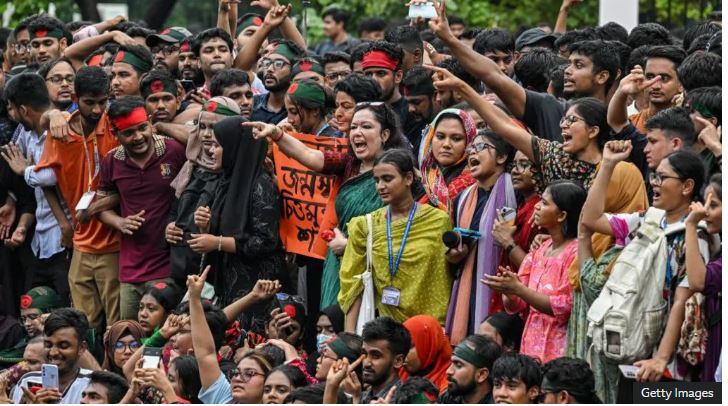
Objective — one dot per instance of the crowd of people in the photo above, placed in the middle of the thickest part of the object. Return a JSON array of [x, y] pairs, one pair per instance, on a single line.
[[530, 217]]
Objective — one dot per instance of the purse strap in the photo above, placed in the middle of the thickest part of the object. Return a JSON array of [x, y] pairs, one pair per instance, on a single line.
[[370, 242]]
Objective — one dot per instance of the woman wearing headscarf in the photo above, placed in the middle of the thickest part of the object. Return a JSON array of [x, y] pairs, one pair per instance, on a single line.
[[240, 228], [120, 342], [444, 164], [195, 186], [430, 354]]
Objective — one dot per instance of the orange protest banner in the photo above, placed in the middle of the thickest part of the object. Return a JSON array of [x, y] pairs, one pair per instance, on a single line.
[[308, 198]]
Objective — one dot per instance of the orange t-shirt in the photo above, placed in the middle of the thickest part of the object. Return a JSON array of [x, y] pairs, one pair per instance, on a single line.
[[71, 166]]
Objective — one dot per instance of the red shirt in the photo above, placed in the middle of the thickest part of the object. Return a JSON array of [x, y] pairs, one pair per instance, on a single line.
[[142, 257]]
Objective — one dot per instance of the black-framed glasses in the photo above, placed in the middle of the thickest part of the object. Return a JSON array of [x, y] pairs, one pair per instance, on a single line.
[[570, 120], [23, 48], [167, 50], [119, 346], [522, 166], [29, 317], [479, 146], [286, 297], [245, 375], [657, 178], [278, 64], [333, 76], [58, 79]]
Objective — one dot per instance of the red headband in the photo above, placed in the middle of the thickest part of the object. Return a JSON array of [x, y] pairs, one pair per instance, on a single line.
[[95, 60], [185, 47], [379, 59], [135, 117]]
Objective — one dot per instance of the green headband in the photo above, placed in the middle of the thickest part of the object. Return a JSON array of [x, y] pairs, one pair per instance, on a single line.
[[307, 91], [159, 86], [285, 51], [255, 20], [704, 111], [307, 65], [133, 60], [54, 33], [217, 108], [341, 350], [423, 398], [467, 354]]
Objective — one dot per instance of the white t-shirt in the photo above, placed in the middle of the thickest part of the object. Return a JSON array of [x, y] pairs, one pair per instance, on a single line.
[[72, 395]]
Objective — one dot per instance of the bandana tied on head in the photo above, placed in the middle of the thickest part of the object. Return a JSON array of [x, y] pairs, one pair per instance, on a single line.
[[95, 60], [132, 59], [252, 19], [285, 51], [307, 65], [185, 46], [379, 59], [213, 106], [134, 118], [339, 347], [54, 33], [307, 91], [42, 297], [159, 86]]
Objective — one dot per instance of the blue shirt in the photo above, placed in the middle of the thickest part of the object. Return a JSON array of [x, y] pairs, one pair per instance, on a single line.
[[218, 393]]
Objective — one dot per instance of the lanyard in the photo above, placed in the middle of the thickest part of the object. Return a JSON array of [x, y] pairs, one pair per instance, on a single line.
[[92, 176], [394, 266], [324, 128]]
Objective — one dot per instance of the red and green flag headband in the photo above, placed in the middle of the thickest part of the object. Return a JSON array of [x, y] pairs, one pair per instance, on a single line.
[[135, 117], [307, 65], [250, 20], [159, 86], [307, 91], [41, 33], [285, 51], [217, 108], [133, 60]]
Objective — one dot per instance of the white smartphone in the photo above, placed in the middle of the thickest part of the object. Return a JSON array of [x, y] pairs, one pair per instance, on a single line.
[[152, 356], [508, 214], [49, 376], [426, 10], [629, 371]]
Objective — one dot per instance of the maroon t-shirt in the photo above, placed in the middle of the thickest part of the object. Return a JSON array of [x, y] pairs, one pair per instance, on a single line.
[[142, 257]]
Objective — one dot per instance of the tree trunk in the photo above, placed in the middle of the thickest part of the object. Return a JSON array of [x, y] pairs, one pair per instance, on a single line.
[[158, 12], [89, 11]]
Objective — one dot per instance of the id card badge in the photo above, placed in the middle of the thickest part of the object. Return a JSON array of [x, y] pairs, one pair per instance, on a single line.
[[85, 201], [390, 296]]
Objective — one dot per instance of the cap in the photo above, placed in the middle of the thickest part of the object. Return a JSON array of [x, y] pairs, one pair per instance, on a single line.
[[171, 35], [532, 36]]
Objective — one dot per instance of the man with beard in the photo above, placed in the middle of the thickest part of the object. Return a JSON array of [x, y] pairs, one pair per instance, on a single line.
[[277, 69], [386, 344], [65, 340], [383, 63], [94, 266], [213, 47], [165, 47], [188, 64], [138, 173], [162, 101], [420, 95], [59, 76], [235, 84], [130, 63], [48, 38], [469, 380]]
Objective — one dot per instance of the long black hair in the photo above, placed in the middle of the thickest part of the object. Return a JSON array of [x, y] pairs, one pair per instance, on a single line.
[[687, 165], [189, 376], [569, 197]]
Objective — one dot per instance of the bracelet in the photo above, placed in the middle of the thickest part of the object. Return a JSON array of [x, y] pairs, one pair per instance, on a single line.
[[219, 243], [510, 248], [280, 135]]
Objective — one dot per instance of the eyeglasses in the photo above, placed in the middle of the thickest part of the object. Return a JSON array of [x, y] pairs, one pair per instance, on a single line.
[[119, 346], [167, 50], [521, 166], [22, 48], [56, 80], [657, 178], [333, 76], [29, 317], [286, 297], [478, 147], [278, 64], [569, 120], [245, 375]]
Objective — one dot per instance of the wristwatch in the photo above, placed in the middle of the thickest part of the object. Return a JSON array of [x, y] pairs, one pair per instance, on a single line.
[[510, 248]]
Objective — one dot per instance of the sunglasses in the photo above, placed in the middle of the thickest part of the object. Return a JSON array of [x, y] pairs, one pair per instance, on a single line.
[[283, 297]]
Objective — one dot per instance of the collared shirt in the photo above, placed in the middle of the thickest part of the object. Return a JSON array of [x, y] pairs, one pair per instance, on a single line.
[[261, 112], [142, 258], [368, 396], [47, 237], [72, 395]]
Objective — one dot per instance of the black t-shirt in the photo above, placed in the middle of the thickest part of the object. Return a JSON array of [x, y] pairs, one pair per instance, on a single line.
[[542, 115], [447, 399]]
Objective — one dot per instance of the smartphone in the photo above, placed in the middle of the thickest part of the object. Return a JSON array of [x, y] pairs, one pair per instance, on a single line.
[[152, 356], [508, 214], [188, 85], [49, 376], [629, 371], [426, 10], [280, 298]]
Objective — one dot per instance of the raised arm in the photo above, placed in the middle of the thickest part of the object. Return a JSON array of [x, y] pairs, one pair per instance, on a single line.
[[108, 24], [592, 214], [566, 5], [249, 54], [262, 291], [694, 264], [311, 158], [630, 85], [495, 117], [223, 16], [510, 92], [202, 341], [77, 52], [288, 28]]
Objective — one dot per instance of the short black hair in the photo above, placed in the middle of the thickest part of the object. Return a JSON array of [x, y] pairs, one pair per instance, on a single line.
[[688, 165], [337, 14], [533, 68], [698, 29], [66, 317], [612, 31], [226, 78], [294, 374], [700, 69], [215, 317], [471, 33], [569, 197], [371, 24], [156, 74], [454, 66], [638, 56], [23, 24], [574, 376], [360, 87], [412, 388], [46, 67], [209, 34], [312, 394], [45, 22], [392, 50], [142, 53], [405, 36], [74, 26], [675, 122], [570, 37], [334, 57], [624, 51], [494, 39], [602, 55], [486, 348], [420, 78], [390, 330], [28, 89], [357, 52], [673, 53], [649, 34], [517, 366], [556, 75], [502, 147], [115, 385], [709, 97], [91, 81], [137, 31], [453, 19]]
